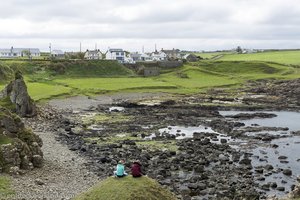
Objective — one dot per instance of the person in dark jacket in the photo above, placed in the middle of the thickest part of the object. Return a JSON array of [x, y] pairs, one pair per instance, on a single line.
[[136, 169]]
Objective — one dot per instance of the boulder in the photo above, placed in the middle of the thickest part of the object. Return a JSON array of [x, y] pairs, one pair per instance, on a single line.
[[16, 91]]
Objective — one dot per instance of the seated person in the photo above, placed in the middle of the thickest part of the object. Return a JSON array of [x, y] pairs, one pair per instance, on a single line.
[[136, 169], [120, 172]]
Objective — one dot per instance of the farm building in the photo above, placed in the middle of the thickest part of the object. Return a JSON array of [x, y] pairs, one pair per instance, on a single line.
[[191, 57], [57, 54]]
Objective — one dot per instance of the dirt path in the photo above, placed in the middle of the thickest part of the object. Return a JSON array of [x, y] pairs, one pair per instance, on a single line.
[[62, 177]]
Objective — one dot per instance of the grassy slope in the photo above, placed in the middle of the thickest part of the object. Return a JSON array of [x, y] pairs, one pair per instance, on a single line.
[[283, 57], [250, 70], [5, 189], [94, 78], [127, 188], [39, 91], [113, 84]]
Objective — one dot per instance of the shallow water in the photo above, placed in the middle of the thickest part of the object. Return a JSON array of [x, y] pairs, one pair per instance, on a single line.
[[264, 154], [283, 119], [289, 147], [182, 132]]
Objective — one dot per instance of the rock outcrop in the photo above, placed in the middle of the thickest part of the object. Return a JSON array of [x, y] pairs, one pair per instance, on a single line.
[[20, 148], [16, 91]]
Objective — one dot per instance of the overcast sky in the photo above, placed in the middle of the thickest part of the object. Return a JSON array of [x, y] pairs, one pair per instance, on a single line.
[[131, 24]]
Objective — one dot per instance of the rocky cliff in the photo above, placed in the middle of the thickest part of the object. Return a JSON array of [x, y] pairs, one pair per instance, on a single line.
[[19, 147]]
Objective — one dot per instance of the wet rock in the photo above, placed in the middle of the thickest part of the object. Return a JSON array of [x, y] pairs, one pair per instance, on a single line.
[[269, 167], [295, 132], [282, 157], [222, 140], [245, 161], [287, 172], [259, 170], [245, 116], [265, 187], [261, 178], [273, 185], [281, 189]]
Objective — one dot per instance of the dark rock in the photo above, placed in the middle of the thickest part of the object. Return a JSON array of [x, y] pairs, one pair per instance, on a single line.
[[287, 172], [282, 157], [281, 189], [16, 90], [37, 161], [245, 161], [222, 140], [273, 185], [259, 170], [269, 167], [265, 187]]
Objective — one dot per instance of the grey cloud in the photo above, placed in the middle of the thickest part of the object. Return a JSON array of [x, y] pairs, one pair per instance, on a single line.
[[236, 20]]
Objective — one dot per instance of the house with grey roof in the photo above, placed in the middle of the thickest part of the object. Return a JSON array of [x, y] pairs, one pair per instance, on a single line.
[[57, 54], [19, 52]]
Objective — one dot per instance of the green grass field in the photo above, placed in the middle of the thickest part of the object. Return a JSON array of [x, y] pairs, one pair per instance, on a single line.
[[40, 91], [90, 78], [283, 57], [127, 188], [211, 55]]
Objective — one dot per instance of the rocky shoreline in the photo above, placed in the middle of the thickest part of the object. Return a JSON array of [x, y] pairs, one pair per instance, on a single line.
[[207, 165]]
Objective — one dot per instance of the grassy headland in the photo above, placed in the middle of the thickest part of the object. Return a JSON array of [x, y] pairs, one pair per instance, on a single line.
[[282, 57], [127, 188]]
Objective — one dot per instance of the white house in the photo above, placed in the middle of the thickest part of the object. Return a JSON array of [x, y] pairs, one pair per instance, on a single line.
[[92, 55], [116, 54], [159, 56], [57, 54], [19, 52]]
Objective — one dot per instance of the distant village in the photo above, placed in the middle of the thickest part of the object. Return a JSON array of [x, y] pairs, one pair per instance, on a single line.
[[117, 54]]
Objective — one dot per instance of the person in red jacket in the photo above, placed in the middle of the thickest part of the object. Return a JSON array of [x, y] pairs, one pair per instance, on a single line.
[[136, 169]]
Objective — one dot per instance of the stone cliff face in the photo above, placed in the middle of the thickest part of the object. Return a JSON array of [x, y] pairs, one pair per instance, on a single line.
[[16, 90], [19, 147]]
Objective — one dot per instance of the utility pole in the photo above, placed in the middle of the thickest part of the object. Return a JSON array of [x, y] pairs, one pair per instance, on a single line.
[[80, 47], [50, 50]]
